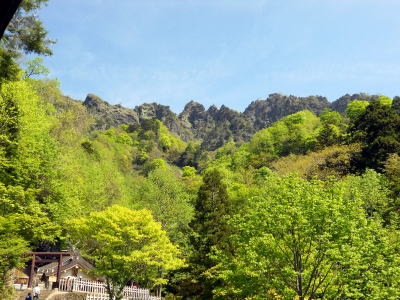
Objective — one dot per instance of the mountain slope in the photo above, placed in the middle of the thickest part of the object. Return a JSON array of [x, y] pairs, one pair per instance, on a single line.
[[214, 126]]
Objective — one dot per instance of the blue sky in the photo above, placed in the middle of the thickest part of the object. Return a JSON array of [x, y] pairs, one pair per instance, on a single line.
[[223, 51]]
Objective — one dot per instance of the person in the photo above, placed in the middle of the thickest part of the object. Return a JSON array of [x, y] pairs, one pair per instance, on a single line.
[[36, 292], [28, 297]]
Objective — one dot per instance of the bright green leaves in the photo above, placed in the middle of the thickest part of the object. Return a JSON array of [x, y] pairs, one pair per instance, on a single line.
[[302, 239], [32, 221], [35, 67], [356, 108], [125, 245], [12, 250], [166, 196], [292, 134]]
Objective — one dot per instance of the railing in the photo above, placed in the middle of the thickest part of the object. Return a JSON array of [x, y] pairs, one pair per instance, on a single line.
[[97, 297], [97, 290]]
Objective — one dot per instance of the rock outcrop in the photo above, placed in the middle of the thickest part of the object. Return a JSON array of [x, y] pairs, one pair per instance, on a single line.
[[215, 126], [263, 113], [340, 104], [107, 115]]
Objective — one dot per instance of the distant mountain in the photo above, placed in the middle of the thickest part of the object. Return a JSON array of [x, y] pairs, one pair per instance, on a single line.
[[215, 126], [340, 104], [263, 113], [107, 115]]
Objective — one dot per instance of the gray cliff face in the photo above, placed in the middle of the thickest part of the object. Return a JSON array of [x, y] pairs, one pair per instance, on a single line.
[[263, 113], [107, 115], [193, 118], [340, 104], [215, 126], [165, 115]]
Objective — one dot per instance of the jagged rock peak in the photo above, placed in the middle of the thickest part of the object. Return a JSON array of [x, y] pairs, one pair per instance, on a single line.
[[94, 102], [154, 110], [212, 110], [340, 104], [193, 105], [215, 126], [108, 115], [263, 113]]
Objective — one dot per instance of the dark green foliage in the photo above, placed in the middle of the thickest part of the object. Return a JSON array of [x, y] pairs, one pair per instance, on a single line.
[[88, 146], [26, 32], [331, 132], [212, 209], [9, 70], [327, 136], [396, 104], [193, 155], [149, 125], [378, 131]]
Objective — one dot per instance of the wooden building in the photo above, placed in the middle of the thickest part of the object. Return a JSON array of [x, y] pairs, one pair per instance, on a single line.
[[71, 267]]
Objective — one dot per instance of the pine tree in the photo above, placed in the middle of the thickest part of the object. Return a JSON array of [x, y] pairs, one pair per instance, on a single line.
[[210, 228]]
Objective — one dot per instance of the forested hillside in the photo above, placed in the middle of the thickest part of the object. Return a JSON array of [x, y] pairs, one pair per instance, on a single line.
[[215, 205], [295, 198]]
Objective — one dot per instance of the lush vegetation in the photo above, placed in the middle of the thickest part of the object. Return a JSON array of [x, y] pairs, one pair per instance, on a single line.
[[309, 208]]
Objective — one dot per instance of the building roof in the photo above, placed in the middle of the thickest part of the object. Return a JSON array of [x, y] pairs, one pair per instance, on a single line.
[[66, 264], [18, 273]]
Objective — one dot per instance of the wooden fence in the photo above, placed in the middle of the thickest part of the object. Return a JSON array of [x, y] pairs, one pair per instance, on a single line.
[[97, 290]]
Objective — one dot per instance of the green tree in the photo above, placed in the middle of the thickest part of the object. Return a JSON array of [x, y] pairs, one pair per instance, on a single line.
[[210, 227], [26, 159], [392, 171], [193, 155], [378, 131], [305, 240], [35, 67], [328, 135], [356, 108], [292, 134], [331, 117], [166, 196], [374, 185], [12, 250], [26, 32], [188, 171], [396, 104], [330, 132], [385, 100], [156, 163], [9, 69], [125, 245]]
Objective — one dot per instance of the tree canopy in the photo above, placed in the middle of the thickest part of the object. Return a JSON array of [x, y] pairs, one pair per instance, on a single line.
[[125, 245], [307, 240]]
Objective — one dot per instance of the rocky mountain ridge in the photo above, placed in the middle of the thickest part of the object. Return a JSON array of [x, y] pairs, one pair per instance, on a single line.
[[215, 126]]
